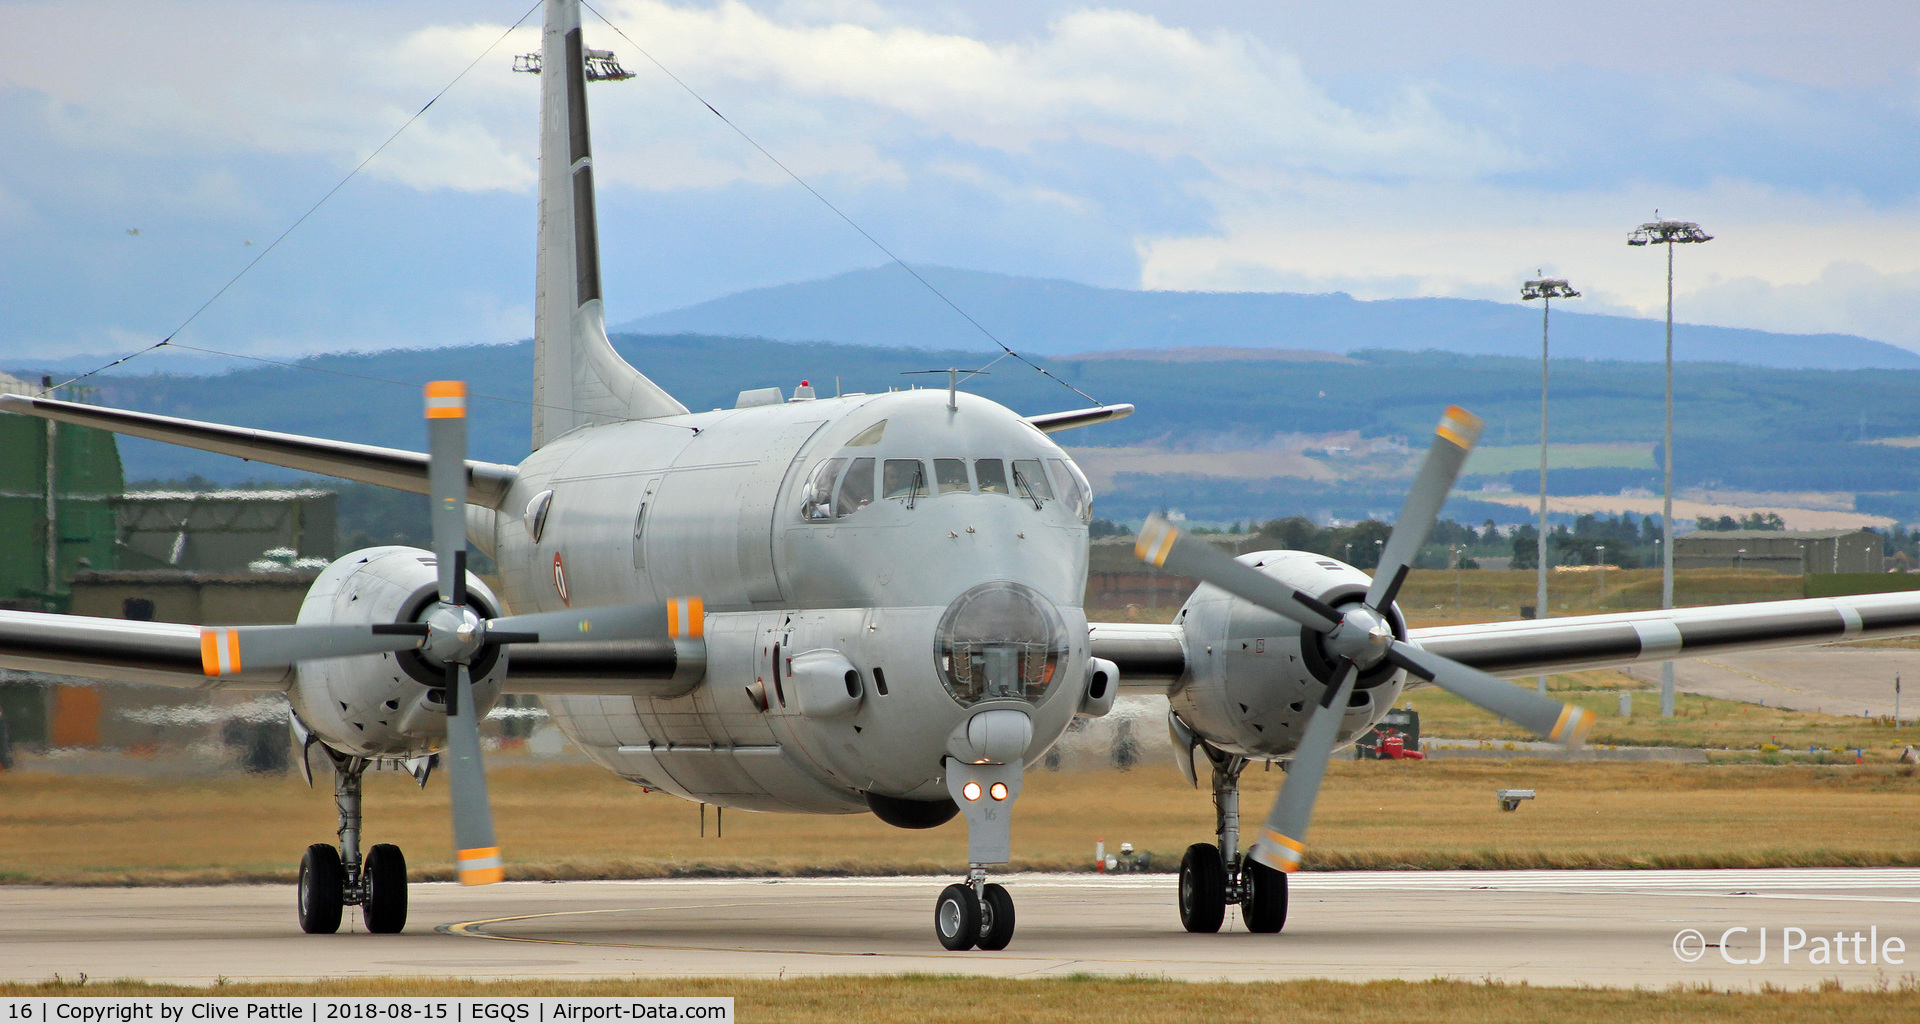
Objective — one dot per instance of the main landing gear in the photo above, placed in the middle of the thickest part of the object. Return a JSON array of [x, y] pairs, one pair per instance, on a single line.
[[974, 913], [331, 879], [1213, 876]]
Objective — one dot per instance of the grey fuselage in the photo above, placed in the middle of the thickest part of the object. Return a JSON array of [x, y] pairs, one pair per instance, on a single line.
[[728, 517]]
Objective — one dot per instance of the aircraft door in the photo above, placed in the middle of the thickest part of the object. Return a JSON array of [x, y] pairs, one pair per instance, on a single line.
[[758, 505]]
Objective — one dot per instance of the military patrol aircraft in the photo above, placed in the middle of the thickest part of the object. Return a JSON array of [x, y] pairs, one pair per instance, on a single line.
[[868, 602]]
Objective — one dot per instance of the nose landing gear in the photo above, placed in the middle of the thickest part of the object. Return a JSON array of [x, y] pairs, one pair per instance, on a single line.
[[978, 912], [333, 879], [974, 913]]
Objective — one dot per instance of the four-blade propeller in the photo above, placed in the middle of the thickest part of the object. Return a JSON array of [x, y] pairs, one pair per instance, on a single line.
[[452, 634], [1361, 636]]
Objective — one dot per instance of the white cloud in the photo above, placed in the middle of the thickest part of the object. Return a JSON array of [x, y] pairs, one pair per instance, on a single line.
[[1779, 260], [1224, 149]]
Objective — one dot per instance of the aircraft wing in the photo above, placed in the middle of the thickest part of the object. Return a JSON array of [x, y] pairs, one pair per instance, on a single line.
[[1153, 657], [119, 651], [487, 482], [172, 654]]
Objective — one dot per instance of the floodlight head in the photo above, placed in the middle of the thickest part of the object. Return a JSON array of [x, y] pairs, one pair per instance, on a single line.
[[1547, 288], [1669, 231]]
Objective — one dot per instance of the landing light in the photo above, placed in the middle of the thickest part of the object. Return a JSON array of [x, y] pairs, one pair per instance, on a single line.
[[972, 790], [998, 791]]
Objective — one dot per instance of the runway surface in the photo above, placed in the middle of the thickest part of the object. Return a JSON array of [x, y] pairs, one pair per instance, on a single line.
[[1552, 928], [1833, 680]]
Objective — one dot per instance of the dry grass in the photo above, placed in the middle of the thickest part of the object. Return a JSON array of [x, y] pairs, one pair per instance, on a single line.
[[573, 821], [967, 1000]]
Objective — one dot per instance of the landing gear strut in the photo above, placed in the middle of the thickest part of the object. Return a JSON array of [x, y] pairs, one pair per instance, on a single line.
[[1213, 876], [332, 879]]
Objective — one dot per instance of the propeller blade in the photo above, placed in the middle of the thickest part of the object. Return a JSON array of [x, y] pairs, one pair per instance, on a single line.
[[447, 484], [476, 854], [228, 650], [680, 617], [1452, 440], [1163, 545], [1282, 840], [1560, 722]]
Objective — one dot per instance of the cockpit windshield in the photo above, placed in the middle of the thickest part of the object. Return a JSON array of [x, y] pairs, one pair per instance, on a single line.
[[842, 485]]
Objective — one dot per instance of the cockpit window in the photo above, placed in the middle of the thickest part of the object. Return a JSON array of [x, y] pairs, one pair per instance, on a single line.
[[869, 436], [992, 474], [1074, 489], [951, 475], [903, 478], [819, 501], [856, 491], [1030, 480]]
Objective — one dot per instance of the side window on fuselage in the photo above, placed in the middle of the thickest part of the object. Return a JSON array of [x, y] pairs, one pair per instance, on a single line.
[[856, 490], [818, 503]]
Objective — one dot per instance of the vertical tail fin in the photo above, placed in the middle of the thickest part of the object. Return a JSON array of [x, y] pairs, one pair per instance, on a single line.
[[578, 379]]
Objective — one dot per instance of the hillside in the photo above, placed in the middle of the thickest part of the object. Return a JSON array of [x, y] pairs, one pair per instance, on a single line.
[[884, 306], [1220, 438]]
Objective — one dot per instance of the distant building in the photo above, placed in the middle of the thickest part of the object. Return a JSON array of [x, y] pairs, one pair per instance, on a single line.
[[223, 531], [1794, 552], [77, 524]]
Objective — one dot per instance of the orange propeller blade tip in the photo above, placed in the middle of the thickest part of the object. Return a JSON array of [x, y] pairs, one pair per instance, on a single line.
[[1460, 426], [446, 399]]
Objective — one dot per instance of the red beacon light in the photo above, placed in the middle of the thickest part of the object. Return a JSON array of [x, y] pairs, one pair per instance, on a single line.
[[803, 393]]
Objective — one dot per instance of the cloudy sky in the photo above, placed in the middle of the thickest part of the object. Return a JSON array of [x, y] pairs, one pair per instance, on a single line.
[[1384, 149]]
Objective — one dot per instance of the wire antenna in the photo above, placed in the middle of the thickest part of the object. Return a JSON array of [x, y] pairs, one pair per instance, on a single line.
[[824, 201], [302, 219]]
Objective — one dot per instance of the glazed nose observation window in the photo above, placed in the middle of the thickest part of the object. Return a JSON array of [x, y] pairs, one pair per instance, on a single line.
[[1000, 641]]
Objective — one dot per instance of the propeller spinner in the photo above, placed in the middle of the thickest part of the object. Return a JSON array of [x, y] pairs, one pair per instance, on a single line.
[[1360, 637]]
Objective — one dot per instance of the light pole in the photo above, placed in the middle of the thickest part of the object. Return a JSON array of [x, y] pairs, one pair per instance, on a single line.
[[1546, 290], [1670, 232], [1600, 562]]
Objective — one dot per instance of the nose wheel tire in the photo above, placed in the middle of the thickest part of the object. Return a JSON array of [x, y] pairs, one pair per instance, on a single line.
[[384, 878], [956, 918], [1264, 906], [996, 917], [1203, 888], [323, 885]]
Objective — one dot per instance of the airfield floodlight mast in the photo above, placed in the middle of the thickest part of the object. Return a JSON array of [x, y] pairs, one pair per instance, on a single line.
[[1545, 289], [1671, 233]]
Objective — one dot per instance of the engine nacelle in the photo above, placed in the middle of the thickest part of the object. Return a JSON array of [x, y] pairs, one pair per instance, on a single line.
[[384, 705], [1253, 678]]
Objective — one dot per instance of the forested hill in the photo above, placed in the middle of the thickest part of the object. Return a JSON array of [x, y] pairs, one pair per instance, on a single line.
[[1739, 427], [885, 306]]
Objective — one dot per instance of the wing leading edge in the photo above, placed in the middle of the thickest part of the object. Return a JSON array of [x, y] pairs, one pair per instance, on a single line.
[[487, 482], [1152, 657]]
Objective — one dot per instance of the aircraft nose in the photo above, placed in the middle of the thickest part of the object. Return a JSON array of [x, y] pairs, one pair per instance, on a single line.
[[1000, 641]]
